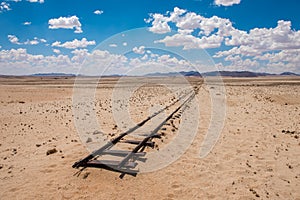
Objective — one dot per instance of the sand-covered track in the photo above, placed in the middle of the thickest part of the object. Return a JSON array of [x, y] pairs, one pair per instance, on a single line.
[[127, 164]]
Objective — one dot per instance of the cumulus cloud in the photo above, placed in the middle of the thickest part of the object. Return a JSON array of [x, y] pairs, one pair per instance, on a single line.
[[74, 44], [192, 42], [79, 55], [247, 48], [226, 2], [98, 12], [98, 62], [13, 39], [212, 30], [139, 50], [32, 42], [159, 24], [4, 6], [288, 59], [57, 51], [66, 23], [280, 37], [20, 62]]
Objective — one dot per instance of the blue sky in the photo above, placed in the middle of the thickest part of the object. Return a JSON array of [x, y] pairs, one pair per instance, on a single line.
[[40, 36]]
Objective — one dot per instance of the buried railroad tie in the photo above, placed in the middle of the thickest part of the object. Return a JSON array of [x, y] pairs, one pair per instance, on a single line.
[[148, 143], [122, 153]]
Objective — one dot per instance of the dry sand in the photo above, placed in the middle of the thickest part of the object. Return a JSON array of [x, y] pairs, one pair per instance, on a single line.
[[256, 157]]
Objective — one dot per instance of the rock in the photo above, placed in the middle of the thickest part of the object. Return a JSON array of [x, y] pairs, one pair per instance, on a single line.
[[51, 151], [86, 175], [97, 132], [89, 140], [38, 145]]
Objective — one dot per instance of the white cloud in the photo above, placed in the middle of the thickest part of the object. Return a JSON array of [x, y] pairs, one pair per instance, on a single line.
[[125, 44], [4, 6], [32, 42], [66, 23], [263, 39], [74, 44], [227, 2], [159, 24], [26, 23], [20, 62], [13, 39], [148, 20], [43, 40], [241, 50], [238, 61], [36, 1], [98, 12], [158, 63], [177, 12], [249, 47], [286, 59], [79, 55], [192, 42], [57, 51], [139, 50], [31, 1], [211, 30], [113, 45], [189, 21], [145, 57], [208, 25], [98, 62]]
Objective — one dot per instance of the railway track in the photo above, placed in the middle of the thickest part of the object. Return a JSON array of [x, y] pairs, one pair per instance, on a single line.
[[125, 161]]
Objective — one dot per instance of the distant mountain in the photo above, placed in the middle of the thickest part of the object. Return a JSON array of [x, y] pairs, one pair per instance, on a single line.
[[53, 74], [182, 73], [236, 74], [223, 73], [289, 74]]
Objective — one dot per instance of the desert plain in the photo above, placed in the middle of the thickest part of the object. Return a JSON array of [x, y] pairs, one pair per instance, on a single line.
[[255, 157]]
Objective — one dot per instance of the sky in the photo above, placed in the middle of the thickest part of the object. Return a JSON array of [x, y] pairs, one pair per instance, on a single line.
[[114, 37]]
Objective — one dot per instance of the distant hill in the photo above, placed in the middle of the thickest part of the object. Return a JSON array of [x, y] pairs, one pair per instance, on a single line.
[[53, 74], [223, 73], [190, 73], [170, 74], [236, 74], [289, 74]]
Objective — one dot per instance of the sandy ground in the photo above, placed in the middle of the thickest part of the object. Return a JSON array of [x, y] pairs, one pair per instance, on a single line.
[[256, 156]]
